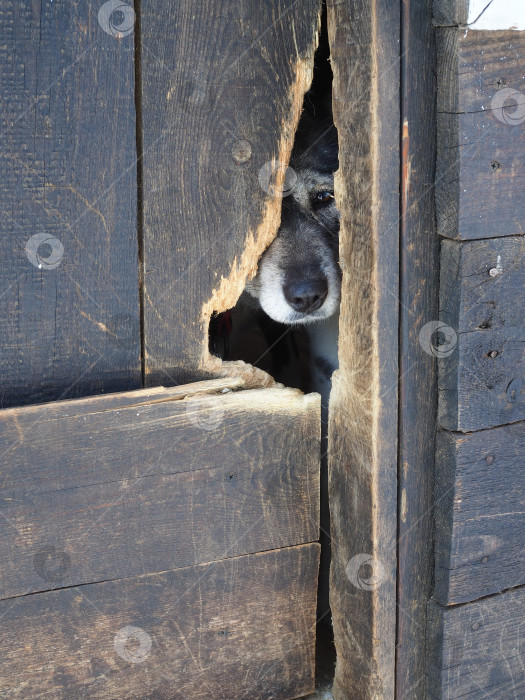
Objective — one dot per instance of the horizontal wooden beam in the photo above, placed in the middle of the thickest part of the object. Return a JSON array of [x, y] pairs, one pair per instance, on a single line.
[[119, 490], [479, 505], [476, 650], [240, 628], [482, 297], [481, 135]]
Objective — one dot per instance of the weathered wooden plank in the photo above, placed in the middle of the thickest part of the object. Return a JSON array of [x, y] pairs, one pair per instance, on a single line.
[[481, 107], [479, 506], [222, 89], [126, 490], [448, 13], [476, 650], [69, 314], [482, 297], [364, 43], [419, 285], [483, 284], [124, 399], [243, 628]]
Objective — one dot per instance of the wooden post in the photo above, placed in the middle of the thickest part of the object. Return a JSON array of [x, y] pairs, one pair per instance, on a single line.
[[364, 44]]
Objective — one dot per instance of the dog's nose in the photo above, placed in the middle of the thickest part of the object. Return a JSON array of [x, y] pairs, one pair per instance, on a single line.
[[306, 295]]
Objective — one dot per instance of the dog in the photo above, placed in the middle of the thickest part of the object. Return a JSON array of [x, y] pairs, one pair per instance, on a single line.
[[298, 284], [298, 281]]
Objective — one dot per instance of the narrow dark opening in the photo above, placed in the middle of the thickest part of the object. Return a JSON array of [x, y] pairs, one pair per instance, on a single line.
[[140, 202], [256, 329]]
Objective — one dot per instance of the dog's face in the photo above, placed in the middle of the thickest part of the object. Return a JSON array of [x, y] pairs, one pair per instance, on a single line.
[[299, 279]]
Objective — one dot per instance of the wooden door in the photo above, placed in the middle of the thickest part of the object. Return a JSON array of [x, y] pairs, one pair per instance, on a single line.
[[156, 542]]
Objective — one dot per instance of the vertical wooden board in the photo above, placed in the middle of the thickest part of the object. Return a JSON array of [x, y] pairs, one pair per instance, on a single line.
[[69, 313], [364, 43], [479, 506], [222, 90], [447, 13], [125, 490], [239, 629], [419, 286], [476, 650], [481, 370], [481, 111]]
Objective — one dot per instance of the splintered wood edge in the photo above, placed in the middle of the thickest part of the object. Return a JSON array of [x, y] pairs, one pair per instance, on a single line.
[[225, 389], [269, 400], [130, 399], [230, 288]]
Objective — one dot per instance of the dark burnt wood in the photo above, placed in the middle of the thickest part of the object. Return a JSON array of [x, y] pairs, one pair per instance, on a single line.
[[477, 649], [237, 629], [480, 168], [125, 490], [68, 164], [419, 284], [482, 297], [221, 92], [479, 506]]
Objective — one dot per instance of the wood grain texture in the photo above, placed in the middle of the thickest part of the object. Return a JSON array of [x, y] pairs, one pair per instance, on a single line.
[[419, 286], [126, 490], [477, 649], [481, 109], [222, 90], [68, 166], [447, 13], [482, 297], [479, 506], [243, 628], [364, 43]]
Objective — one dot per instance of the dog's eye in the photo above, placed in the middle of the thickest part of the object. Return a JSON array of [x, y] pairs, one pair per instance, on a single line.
[[323, 198]]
